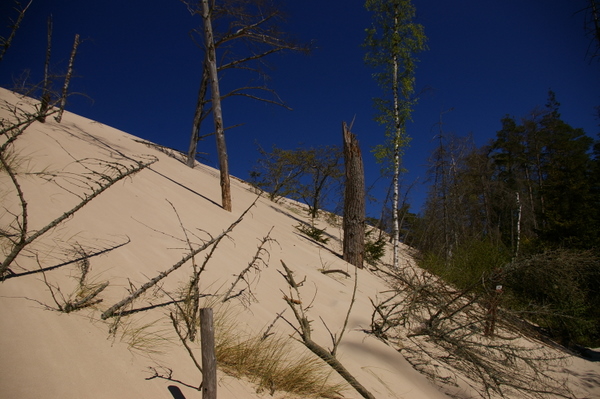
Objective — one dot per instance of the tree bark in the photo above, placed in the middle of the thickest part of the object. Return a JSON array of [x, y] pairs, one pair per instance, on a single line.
[[45, 101], [199, 116], [211, 63], [354, 201], [396, 161], [63, 98]]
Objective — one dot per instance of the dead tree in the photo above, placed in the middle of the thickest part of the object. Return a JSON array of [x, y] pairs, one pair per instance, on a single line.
[[63, 97], [211, 65], [45, 101], [5, 43], [250, 22], [354, 200]]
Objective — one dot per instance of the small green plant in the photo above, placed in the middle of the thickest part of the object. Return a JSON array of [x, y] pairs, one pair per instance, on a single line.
[[374, 249], [313, 232]]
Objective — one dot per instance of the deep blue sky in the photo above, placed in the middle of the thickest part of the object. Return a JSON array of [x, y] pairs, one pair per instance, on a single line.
[[486, 59]]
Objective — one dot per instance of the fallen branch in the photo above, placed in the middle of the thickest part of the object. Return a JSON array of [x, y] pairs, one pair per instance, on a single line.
[[116, 307], [304, 330], [345, 273]]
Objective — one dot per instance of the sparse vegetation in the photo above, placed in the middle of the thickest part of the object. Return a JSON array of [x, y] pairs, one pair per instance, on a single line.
[[433, 324], [313, 232], [374, 249], [273, 363]]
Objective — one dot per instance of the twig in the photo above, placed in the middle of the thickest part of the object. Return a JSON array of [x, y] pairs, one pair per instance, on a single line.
[[251, 265], [305, 333], [345, 273], [49, 268], [109, 182], [113, 309]]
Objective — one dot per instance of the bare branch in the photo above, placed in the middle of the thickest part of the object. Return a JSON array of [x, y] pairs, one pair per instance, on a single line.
[[116, 307], [5, 43]]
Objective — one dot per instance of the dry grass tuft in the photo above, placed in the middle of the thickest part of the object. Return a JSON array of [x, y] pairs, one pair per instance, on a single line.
[[273, 363]]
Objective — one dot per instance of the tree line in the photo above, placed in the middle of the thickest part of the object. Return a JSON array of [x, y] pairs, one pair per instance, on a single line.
[[523, 212]]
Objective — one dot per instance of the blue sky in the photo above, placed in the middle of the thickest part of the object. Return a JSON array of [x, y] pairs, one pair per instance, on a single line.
[[140, 73]]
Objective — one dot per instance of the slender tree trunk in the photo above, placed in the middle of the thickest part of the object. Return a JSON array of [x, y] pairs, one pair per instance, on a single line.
[[354, 201], [396, 176], [199, 116], [5, 44], [45, 102], [63, 98], [519, 211], [211, 63]]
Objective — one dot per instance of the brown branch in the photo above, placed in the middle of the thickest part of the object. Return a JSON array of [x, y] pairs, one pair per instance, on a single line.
[[329, 271], [113, 309], [251, 265], [305, 333], [108, 182], [5, 44]]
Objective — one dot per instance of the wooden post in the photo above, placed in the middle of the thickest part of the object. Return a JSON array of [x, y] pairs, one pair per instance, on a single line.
[[209, 361]]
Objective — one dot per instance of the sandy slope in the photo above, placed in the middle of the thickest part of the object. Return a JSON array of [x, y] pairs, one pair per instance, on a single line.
[[48, 354]]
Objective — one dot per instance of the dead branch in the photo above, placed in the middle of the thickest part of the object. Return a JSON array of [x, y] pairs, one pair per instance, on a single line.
[[304, 330], [445, 332], [114, 309], [63, 97], [5, 43], [252, 265], [329, 271], [86, 256], [104, 184]]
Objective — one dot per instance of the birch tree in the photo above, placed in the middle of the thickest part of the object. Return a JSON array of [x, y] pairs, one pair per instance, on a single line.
[[393, 41]]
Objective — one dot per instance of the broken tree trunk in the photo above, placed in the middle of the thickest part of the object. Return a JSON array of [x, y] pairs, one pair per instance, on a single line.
[[354, 200]]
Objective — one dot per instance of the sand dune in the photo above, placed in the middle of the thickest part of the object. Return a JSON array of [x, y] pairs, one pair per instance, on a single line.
[[49, 354]]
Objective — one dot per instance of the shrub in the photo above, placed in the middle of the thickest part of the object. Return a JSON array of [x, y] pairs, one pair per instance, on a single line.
[[313, 232], [374, 250], [558, 290], [470, 263]]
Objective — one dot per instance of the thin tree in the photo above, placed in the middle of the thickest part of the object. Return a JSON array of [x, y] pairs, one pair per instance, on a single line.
[[5, 43], [211, 65], [592, 27], [354, 200], [45, 101], [63, 97], [253, 24], [393, 41]]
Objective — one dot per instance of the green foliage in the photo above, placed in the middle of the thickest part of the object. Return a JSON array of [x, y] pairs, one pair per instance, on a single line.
[[313, 232], [374, 249], [558, 290], [470, 266], [305, 174], [277, 172], [392, 42]]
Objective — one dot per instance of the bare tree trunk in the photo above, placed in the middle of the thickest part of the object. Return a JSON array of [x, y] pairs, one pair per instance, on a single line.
[[199, 116], [354, 200], [211, 63], [5, 43], [45, 102], [519, 210], [63, 98]]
